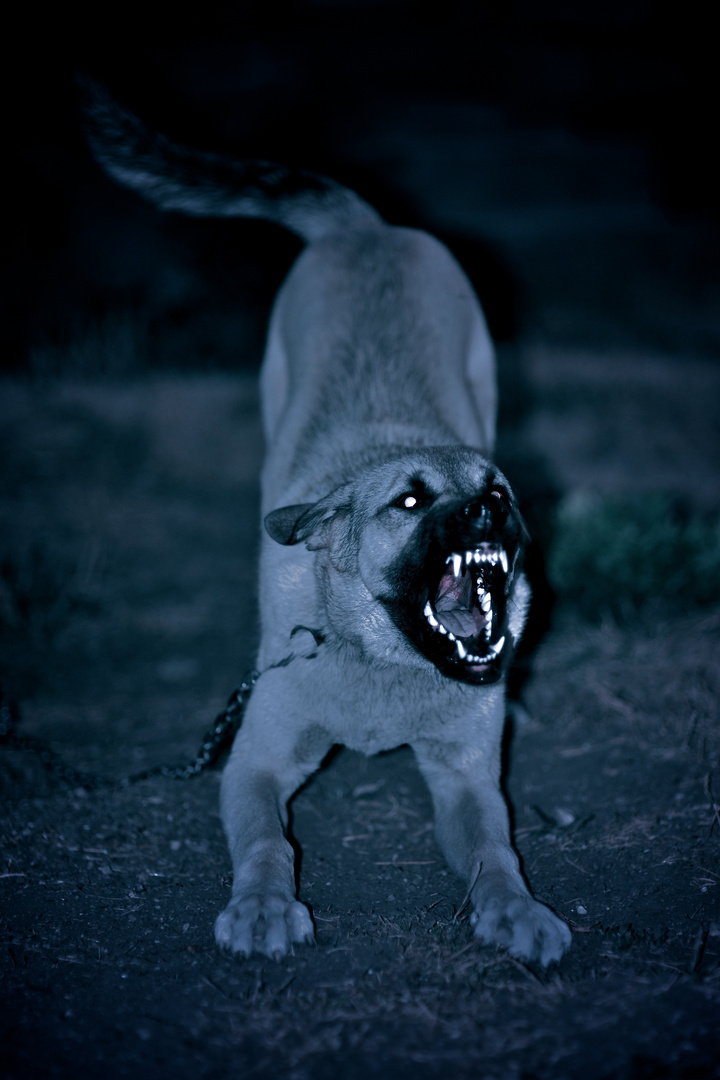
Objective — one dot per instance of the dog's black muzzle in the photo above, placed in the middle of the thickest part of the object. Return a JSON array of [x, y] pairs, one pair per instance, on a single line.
[[452, 583]]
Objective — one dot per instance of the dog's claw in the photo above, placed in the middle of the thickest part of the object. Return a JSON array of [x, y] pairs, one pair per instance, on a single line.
[[269, 924]]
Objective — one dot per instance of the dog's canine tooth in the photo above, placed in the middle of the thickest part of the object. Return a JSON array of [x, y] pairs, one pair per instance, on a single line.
[[468, 557], [461, 650], [504, 560], [457, 564]]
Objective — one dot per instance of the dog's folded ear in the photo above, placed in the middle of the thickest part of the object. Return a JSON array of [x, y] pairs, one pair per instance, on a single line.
[[309, 522], [286, 525]]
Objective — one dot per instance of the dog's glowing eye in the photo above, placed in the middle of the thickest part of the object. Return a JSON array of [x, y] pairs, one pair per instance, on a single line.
[[412, 500], [415, 497]]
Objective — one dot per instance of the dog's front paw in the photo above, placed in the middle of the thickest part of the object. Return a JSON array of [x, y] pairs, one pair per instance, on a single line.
[[268, 924], [526, 928]]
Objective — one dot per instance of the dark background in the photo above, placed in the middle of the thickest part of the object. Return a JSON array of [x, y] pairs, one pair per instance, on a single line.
[[602, 112]]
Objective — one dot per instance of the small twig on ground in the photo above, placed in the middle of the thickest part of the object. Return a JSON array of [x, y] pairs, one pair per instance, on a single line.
[[218, 989], [699, 948], [471, 944], [284, 986], [577, 866], [527, 970], [468, 894], [405, 862], [707, 785]]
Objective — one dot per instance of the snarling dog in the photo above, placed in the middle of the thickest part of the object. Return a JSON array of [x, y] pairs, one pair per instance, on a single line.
[[391, 584]]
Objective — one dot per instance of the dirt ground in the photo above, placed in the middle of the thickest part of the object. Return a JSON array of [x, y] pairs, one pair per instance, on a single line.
[[128, 540], [129, 520]]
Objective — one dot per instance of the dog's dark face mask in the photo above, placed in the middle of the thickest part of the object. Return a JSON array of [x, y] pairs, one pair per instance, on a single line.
[[453, 582]]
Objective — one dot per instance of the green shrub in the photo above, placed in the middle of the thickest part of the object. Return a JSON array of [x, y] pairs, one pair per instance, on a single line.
[[608, 553]]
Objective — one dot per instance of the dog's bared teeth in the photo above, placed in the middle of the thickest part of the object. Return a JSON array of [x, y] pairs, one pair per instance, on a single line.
[[485, 557], [461, 650], [430, 615], [494, 651], [485, 599], [457, 561], [441, 628]]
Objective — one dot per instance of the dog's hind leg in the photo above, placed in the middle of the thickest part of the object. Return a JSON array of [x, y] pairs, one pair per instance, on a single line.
[[472, 828], [266, 767]]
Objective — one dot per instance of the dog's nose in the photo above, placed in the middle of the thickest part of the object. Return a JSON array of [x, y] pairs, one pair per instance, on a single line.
[[478, 512]]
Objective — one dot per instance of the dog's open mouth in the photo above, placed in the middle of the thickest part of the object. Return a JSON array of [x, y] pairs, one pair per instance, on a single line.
[[466, 615], [452, 585]]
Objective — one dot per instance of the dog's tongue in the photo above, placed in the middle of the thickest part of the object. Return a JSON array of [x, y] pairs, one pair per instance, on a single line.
[[454, 601]]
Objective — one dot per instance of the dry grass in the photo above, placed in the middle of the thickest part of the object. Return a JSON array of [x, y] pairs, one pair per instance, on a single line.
[[657, 674]]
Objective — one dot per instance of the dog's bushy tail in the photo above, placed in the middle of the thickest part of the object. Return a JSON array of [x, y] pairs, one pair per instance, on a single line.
[[214, 185]]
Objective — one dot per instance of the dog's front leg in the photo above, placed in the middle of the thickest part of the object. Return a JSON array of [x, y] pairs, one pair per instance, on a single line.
[[472, 828], [270, 759]]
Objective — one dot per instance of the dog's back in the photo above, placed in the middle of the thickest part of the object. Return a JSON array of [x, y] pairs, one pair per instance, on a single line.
[[388, 347], [384, 320]]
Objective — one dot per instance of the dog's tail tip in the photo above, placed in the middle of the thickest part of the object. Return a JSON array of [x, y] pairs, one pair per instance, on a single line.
[[205, 184]]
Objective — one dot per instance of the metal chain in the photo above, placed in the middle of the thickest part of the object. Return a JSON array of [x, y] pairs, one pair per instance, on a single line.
[[215, 741]]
